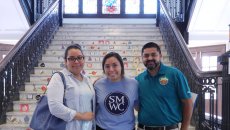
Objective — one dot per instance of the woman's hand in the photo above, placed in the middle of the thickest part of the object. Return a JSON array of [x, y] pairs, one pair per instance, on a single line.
[[86, 116]]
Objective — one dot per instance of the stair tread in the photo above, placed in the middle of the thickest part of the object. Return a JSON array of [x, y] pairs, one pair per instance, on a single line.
[[96, 44], [59, 68], [31, 83], [84, 40], [31, 92], [25, 101], [19, 113], [112, 38], [8, 125]]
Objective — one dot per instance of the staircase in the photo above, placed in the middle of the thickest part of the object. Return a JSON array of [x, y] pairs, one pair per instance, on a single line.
[[96, 40]]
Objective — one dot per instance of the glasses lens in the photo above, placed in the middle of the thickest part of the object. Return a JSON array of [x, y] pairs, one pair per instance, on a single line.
[[71, 59], [78, 58]]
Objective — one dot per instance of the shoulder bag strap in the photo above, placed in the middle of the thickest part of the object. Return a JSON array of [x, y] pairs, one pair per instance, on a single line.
[[64, 83], [63, 79]]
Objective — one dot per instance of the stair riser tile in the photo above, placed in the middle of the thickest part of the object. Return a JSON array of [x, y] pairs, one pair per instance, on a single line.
[[102, 42], [91, 73], [108, 38], [87, 71], [15, 128], [45, 71], [30, 96], [19, 119], [106, 34], [25, 107], [110, 29], [39, 79], [118, 29], [109, 26], [101, 47], [93, 65], [35, 88], [121, 32], [50, 64], [46, 78], [100, 53], [93, 59], [50, 68]]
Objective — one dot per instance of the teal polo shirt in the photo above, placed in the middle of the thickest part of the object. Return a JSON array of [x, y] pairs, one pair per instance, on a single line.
[[160, 96]]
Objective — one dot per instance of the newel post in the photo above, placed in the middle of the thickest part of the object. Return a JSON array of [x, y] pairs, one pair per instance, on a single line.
[[224, 60]]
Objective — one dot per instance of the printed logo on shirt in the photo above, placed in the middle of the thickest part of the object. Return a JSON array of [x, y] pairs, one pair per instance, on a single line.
[[116, 103], [163, 80]]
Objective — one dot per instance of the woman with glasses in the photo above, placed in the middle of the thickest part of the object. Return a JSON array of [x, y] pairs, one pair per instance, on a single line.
[[116, 96], [79, 93]]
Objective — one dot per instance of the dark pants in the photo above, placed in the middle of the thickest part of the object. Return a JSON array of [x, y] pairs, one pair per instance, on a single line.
[[99, 128]]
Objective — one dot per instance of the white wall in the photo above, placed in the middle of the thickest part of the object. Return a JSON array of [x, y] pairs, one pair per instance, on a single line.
[[13, 23], [209, 24]]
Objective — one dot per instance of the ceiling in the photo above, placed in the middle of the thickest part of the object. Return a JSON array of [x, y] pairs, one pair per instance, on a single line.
[[210, 22], [13, 23]]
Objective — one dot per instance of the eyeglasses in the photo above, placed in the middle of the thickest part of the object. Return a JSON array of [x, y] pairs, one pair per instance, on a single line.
[[78, 58]]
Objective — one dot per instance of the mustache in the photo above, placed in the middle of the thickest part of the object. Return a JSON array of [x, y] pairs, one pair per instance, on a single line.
[[154, 61]]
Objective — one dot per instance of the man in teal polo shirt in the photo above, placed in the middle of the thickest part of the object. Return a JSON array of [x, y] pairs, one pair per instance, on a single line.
[[164, 94]]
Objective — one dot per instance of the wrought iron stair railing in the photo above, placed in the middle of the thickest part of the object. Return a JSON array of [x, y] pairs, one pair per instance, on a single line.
[[181, 12], [200, 82], [33, 9], [20, 61]]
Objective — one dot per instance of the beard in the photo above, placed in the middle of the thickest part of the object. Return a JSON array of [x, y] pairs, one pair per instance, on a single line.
[[151, 64]]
